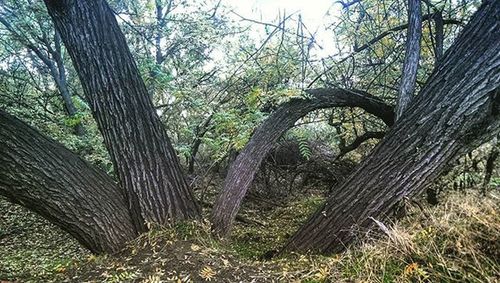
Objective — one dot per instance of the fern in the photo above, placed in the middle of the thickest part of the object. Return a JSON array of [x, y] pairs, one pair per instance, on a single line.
[[304, 148]]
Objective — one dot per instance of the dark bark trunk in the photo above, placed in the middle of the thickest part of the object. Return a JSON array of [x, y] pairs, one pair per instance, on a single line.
[[439, 36], [412, 56], [62, 84], [242, 171], [458, 108], [201, 130], [43, 176], [143, 157], [490, 165]]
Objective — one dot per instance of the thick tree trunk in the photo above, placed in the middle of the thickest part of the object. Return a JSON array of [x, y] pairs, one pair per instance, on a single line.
[[412, 56], [41, 175], [242, 171], [458, 108], [143, 157]]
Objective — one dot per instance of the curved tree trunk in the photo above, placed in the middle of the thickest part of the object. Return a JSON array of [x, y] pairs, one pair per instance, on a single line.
[[242, 171], [458, 108], [41, 175], [143, 157], [412, 56]]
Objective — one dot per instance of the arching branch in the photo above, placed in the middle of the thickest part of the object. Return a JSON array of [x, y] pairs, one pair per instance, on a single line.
[[242, 171]]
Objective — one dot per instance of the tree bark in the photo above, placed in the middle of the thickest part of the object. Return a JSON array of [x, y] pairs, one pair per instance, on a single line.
[[439, 36], [412, 56], [490, 165], [242, 171], [43, 176], [143, 157], [457, 109]]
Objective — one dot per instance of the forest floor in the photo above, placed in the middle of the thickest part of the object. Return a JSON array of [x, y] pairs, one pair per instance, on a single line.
[[455, 241]]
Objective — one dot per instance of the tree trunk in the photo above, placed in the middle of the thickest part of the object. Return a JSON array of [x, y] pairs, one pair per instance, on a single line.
[[458, 108], [490, 165], [62, 84], [412, 56], [43, 176], [439, 36], [58, 74], [143, 157], [242, 171]]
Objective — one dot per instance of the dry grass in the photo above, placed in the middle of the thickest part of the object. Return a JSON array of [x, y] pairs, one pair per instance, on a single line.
[[458, 241]]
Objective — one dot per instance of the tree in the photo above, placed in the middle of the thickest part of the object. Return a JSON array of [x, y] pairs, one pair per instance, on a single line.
[[47, 49], [243, 170], [457, 109], [42, 175], [145, 162], [412, 55]]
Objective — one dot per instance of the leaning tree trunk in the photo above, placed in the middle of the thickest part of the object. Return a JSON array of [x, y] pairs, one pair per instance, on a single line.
[[242, 171], [458, 108], [43, 176], [143, 157]]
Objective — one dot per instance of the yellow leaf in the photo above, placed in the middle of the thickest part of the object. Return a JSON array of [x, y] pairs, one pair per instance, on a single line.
[[410, 268], [207, 273]]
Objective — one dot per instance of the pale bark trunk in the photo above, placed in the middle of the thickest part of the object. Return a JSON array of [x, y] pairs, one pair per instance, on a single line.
[[412, 56], [242, 171]]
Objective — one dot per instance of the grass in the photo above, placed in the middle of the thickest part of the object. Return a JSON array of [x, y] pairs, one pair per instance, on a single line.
[[456, 241]]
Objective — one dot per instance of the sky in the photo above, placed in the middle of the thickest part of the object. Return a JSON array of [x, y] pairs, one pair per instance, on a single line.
[[315, 14], [312, 11]]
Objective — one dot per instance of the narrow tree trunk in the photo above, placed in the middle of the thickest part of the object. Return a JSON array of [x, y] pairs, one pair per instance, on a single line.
[[143, 157], [200, 131], [242, 171], [458, 108], [58, 73], [43, 176], [62, 85], [490, 165], [412, 56], [439, 36]]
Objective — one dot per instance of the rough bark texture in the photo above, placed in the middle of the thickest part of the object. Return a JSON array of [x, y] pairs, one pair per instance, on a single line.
[[412, 56], [458, 108], [41, 175], [143, 157], [242, 171]]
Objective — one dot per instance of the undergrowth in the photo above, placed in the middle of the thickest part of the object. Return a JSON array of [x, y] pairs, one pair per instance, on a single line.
[[456, 241]]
